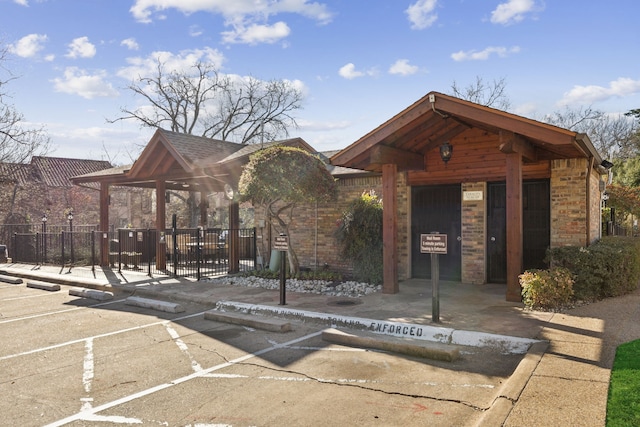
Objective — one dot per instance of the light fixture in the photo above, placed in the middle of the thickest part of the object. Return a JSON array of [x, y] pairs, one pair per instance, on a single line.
[[228, 191], [70, 216], [606, 164], [446, 150]]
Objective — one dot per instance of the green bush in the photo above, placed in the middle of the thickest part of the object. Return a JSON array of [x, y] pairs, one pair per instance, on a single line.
[[608, 268], [546, 289], [359, 235]]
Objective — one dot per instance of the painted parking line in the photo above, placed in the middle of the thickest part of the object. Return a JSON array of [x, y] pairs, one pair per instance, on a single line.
[[92, 413], [108, 334], [52, 313]]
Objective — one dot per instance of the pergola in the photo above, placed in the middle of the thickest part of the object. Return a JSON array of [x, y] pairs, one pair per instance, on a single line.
[[182, 162], [510, 146]]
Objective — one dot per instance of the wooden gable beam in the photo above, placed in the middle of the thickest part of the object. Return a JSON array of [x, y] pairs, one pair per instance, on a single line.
[[503, 120], [512, 143], [404, 160]]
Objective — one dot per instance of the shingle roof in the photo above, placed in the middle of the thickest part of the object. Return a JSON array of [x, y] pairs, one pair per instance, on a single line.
[[17, 173], [57, 171], [199, 150]]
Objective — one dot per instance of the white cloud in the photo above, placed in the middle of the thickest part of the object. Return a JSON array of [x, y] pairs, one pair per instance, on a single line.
[[182, 61], [130, 43], [623, 86], [421, 14], [195, 31], [402, 67], [21, 2], [28, 46], [248, 19], [512, 11], [474, 55], [255, 33], [349, 72], [81, 48], [79, 82]]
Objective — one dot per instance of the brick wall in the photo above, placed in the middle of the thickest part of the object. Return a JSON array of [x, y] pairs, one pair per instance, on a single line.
[[313, 226], [473, 234], [569, 202]]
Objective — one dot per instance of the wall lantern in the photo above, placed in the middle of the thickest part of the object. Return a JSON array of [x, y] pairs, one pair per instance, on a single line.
[[446, 150]]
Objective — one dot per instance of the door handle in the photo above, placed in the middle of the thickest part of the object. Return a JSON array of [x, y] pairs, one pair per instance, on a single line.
[[493, 239], [459, 239]]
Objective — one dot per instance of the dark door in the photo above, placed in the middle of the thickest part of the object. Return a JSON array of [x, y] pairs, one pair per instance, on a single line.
[[536, 211], [497, 232], [436, 208]]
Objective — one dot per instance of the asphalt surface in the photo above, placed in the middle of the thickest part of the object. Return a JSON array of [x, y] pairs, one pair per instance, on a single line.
[[563, 378]]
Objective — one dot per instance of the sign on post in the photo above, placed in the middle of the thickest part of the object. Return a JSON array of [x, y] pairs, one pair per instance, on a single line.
[[434, 244], [281, 243]]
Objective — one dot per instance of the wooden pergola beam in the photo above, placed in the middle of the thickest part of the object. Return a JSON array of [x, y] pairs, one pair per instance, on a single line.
[[512, 143], [405, 160]]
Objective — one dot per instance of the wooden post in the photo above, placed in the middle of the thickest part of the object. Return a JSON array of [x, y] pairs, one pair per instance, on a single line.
[[104, 224], [234, 239], [203, 209], [514, 226], [389, 229], [161, 245]]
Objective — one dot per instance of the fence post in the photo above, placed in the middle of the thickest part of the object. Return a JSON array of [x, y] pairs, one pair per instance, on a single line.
[[93, 251], [148, 250], [15, 246], [62, 240], [198, 254], [255, 249]]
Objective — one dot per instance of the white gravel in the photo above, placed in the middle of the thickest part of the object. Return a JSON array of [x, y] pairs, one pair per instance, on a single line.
[[341, 289]]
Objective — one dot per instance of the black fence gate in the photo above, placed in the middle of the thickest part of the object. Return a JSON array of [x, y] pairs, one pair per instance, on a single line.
[[185, 252]]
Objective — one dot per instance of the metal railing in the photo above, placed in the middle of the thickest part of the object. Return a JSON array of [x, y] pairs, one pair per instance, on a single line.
[[183, 252]]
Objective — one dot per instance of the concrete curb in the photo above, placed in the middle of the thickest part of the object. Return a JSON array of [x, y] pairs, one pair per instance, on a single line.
[[511, 390], [503, 343], [91, 293], [425, 350], [9, 279], [168, 307], [43, 285], [250, 321], [61, 279]]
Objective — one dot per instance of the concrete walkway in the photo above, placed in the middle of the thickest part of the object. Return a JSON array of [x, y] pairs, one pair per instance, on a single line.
[[562, 381]]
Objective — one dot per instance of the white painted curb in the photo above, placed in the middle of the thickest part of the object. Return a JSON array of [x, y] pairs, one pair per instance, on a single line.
[[505, 343]]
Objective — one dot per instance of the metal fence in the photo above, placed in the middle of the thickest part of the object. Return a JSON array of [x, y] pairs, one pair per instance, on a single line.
[[184, 252]]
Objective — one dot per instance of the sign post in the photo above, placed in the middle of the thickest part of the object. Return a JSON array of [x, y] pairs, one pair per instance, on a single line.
[[281, 243], [434, 244]]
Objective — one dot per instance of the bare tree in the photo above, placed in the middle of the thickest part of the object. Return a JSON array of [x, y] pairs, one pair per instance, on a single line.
[[488, 94], [614, 136], [204, 102], [17, 141]]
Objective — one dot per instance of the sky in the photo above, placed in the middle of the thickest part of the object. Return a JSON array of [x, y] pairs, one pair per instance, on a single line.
[[358, 62]]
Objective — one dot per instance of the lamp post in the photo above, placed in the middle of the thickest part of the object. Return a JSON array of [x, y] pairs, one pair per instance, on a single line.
[[70, 218], [44, 237]]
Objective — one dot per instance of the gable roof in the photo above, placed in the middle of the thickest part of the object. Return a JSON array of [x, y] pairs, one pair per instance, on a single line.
[[437, 118], [185, 162]]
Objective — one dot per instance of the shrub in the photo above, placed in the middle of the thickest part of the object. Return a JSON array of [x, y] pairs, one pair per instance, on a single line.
[[608, 268], [359, 234], [546, 289]]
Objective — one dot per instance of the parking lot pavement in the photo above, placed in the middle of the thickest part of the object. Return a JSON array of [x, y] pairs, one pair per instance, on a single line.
[[73, 360]]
